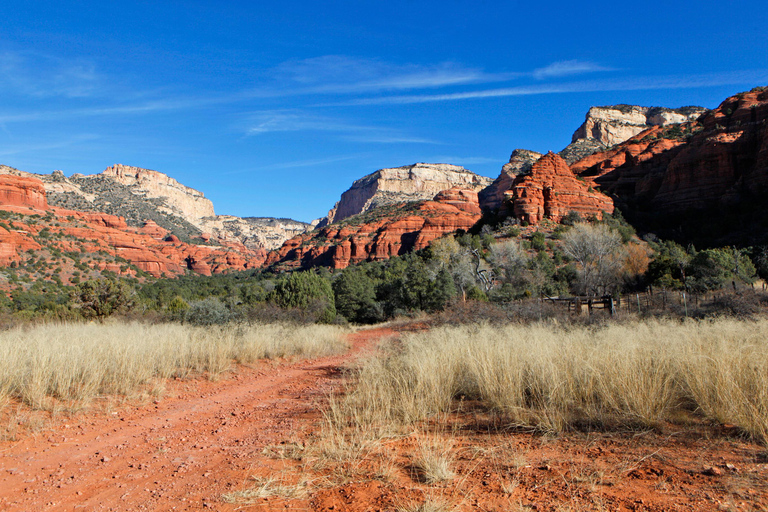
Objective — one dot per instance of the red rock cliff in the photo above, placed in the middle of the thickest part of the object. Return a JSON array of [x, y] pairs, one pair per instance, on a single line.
[[551, 191], [382, 232], [720, 159], [22, 191], [74, 231]]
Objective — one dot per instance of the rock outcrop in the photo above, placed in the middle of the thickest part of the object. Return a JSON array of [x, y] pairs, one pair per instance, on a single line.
[[22, 191], [180, 200], [34, 229], [581, 148], [142, 195], [253, 232], [520, 162], [550, 191], [381, 233], [415, 182], [614, 124], [712, 164]]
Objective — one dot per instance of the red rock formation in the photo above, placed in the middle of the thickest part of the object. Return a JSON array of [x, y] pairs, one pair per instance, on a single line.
[[151, 228], [381, 233], [94, 232], [520, 162], [551, 191], [105, 220], [13, 244], [718, 160], [22, 191], [465, 200]]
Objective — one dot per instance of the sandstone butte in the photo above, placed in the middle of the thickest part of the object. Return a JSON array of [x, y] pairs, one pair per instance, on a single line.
[[550, 190], [149, 248], [720, 159], [381, 233]]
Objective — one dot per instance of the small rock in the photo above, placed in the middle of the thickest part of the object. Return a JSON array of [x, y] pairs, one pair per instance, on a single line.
[[712, 471]]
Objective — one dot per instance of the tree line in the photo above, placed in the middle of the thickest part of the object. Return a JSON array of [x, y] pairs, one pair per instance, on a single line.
[[498, 265]]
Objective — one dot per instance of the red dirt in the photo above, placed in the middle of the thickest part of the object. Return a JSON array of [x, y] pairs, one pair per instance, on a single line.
[[204, 439], [181, 453]]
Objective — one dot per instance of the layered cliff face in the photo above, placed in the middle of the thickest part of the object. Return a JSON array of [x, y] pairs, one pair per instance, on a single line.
[[663, 175], [415, 182], [91, 242], [22, 191], [142, 195], [550, 191], [178, 199], [381, 232], [614, 124]]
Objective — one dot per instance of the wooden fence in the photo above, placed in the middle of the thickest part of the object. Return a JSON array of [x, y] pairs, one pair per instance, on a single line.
[[647, 301]]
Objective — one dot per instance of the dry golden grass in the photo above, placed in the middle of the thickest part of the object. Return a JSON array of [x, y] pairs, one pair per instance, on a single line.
[[553, 378], [434, 460], [265, 488], [77, 362]]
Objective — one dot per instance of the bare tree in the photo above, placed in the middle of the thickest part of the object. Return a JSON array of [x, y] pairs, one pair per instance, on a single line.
[[596, 249]]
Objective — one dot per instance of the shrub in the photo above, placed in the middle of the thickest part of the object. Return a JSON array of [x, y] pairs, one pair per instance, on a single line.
[[100, 298], [306, 290], [210, 311]]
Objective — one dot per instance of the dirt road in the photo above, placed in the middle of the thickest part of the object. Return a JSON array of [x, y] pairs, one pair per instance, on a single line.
[[181, 452]]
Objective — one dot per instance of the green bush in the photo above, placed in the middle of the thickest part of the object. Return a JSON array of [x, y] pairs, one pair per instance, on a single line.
[[306, 290], [100, 298]]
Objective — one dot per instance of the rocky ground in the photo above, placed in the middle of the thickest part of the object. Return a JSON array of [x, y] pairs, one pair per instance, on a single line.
[[202, 444]]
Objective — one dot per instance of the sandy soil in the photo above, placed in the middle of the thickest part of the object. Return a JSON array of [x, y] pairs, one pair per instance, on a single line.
[[205, 439]]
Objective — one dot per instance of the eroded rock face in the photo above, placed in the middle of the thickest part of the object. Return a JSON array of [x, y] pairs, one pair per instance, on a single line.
[[183, 201], [551, 191], [520, 162], [415, 182], [93, 232], [381, 233], [22, 191], [702, 182], [253, 232], [614, 124], [142, 195], [718, 160]]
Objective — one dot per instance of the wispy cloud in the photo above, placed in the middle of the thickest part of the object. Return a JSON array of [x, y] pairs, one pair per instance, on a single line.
[[296, 120], [630, 84], [48, 145], [567, 68], [39, 75], [296, 164], [339, 74]]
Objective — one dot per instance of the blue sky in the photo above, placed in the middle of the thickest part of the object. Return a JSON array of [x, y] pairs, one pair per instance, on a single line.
[[274, 108]]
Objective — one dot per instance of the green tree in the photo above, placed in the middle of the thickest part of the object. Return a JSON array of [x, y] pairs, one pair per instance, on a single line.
[[306, 290], [713, 269], [100, 298], [669, 266], [355, 296]]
